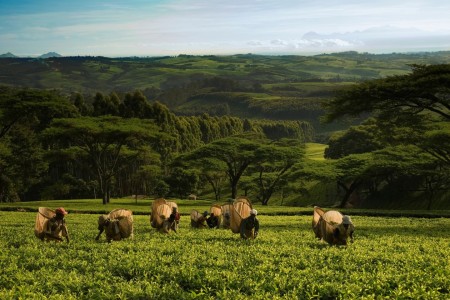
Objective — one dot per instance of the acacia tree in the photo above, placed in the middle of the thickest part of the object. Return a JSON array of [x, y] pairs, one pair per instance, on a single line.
[[236, 152], [410, 163], [436, 142], [19, 105], [24, 113], [212, 171], [412, 109], [107, 142], [357, 139], [182, 181], [271, 164], [426, 89]]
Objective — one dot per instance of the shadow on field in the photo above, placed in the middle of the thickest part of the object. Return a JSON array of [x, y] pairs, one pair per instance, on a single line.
[[435, 230]]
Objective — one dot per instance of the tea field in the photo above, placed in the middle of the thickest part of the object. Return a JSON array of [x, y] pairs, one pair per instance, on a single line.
[[391, 258]]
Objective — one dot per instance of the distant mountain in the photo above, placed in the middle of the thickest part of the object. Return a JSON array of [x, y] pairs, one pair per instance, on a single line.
[[7, 55], [50, 54]]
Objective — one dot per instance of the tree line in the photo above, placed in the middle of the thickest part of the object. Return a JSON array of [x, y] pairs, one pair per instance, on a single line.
[[402, 147], [57, 147]]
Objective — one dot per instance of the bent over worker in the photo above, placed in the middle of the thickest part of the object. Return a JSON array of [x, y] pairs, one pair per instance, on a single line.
[[250, 226], [172, 222], [55, 228]]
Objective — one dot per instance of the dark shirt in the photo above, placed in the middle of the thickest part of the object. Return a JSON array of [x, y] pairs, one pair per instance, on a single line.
[[212, 221], [248, 224], [56, 229]]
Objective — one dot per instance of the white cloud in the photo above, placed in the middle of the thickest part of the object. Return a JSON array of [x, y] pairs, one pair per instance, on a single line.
[[213, 25]]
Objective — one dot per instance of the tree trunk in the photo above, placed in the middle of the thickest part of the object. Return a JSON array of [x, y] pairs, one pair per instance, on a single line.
[[234, 189], [105, 192], [431, 194], [266, 196], [348, 191], [215, 187]]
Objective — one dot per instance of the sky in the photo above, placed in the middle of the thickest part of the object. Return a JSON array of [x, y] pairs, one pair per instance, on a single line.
[[200, 27]]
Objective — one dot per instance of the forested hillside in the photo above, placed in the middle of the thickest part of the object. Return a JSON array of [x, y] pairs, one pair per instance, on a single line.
[[251, 86], [220, 127]]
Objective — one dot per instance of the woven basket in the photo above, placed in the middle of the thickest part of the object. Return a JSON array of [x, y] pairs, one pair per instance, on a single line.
[[318, 212], [241, 210], [44, 214]]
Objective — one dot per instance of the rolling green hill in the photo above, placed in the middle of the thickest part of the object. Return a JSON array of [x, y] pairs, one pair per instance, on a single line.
[[251, 86]]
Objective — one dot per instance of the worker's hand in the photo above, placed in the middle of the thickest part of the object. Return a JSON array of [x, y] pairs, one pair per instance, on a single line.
[[255, 234]]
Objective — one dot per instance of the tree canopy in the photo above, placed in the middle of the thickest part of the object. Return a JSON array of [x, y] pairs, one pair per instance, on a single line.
[[106, 141], [425, 89]]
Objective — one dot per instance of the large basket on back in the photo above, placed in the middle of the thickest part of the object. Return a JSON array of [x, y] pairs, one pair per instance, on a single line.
[[240, 210], [163, 212], [153, 214], [226, 215], [125, 221], [44, 214], [217, 211], [172, 205], [318, 213], [197, 219]]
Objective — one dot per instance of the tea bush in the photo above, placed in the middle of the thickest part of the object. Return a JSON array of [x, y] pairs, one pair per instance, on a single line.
[[394, 258]]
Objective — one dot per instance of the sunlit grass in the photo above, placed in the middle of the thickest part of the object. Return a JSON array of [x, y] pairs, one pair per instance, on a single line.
[[390, 259], [315, 151]]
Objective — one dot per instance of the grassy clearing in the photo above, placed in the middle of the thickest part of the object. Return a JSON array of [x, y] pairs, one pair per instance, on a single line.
[[388, 259], [315, 151], [143, 207]]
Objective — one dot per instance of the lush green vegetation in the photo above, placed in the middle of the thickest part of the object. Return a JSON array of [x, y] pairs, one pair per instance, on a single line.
[[251, 86], [399, 258], [142, 206], [220, 127], [59, 146]]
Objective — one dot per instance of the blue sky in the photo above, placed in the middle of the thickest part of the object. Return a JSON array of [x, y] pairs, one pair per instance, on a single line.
[[168, 27]]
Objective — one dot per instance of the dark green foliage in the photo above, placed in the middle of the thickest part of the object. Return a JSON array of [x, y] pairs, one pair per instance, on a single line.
[[105, 143], [272, 163], [357, 139], [405, 146], [24, 113], [161, 189], [251, 86], [141, 141], [182, 182], [425, 89], [39, 107]]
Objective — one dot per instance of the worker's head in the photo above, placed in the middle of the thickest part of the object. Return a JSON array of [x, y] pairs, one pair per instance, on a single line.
[[205, 213], [103, 220], [253, 212], [60, 212]]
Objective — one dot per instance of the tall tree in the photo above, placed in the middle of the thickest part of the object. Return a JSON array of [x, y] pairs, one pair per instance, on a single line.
[[183, 181], [19, 105], [105, 141], [237, 153], [357, 139], [213, 172], [271, 164], [24, 113], [426, 89]]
